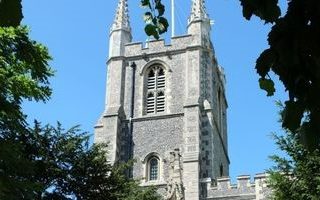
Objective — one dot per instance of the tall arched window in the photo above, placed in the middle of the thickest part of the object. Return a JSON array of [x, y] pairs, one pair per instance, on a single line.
[[153, 169], [156, 84]]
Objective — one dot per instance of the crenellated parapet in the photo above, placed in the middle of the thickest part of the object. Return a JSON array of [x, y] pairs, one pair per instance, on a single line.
[[157, 47], [244, 189]]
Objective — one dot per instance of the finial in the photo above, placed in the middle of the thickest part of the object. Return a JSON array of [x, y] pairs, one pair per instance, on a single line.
[[121, 20], [198, 10]]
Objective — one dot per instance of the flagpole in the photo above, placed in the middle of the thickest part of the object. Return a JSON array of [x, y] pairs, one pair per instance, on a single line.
[[172, 18]]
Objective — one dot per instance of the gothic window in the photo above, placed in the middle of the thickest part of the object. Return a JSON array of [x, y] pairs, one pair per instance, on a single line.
[[155, 90], [153, 169]]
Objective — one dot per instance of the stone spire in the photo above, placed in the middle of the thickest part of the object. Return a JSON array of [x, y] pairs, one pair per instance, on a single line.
[[121, 20], [120, 32], [198, 11]]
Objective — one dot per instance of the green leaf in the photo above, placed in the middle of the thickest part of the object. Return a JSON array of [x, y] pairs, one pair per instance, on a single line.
[[145, 3], [160, 7], [247, 9], [266, 10], [267, 85], [147, 17], [151, 30], [162, 25], [270, 11], [156, 23], [292, 115], [265, 62]]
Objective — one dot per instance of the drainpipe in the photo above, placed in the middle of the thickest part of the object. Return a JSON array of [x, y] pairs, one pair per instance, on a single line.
[[131, 111]]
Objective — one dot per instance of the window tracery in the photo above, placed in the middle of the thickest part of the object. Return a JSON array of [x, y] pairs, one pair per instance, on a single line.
[[155, 90]]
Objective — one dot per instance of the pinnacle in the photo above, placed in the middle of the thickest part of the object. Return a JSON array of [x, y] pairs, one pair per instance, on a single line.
[[121, 20], [198, 10]]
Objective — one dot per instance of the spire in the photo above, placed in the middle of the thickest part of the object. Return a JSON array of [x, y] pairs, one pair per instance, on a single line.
[[121, 20], [198, 11]]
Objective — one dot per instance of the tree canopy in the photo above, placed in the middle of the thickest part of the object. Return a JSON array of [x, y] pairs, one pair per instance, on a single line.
[[297, 175], [24, 74], [294, 56], [10, 12]]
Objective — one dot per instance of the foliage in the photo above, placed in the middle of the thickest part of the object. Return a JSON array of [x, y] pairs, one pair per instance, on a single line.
[[24, 71], [62, 165], [10, 13], [293, 55], [156, 23], [24, 74], [82, 171], [297, 176]]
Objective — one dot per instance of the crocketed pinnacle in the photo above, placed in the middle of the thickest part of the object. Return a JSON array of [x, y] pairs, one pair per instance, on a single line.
[[198, 10], [121, 20]]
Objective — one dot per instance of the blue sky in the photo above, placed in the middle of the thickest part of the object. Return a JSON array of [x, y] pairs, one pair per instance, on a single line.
[[76, 33]]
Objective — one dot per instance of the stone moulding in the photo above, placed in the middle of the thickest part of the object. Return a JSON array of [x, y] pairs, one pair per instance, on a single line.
[[155, 117]]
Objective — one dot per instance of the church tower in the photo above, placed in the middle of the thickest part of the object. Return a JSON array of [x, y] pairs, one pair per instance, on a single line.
[[166, 107]]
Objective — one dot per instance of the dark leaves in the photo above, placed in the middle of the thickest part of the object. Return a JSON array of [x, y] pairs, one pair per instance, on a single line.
[[10, 13], [50, 162], [292, 115], [159, 7], [266, 10], [163, 25], [267, 85], [156, 24], [151, 30], [265, 62], [294, 56], [145, 3]]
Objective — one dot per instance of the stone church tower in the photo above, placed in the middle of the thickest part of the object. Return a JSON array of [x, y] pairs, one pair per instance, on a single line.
[[166, 108]]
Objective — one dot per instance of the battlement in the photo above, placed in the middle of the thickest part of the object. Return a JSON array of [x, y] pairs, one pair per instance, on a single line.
[[178, 43], [244, 188]]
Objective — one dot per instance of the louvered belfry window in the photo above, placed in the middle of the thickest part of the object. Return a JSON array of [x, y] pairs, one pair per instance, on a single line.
[[156, 84]]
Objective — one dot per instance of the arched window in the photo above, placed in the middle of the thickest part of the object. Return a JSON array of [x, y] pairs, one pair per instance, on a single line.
[[153, 169], [155, 90]]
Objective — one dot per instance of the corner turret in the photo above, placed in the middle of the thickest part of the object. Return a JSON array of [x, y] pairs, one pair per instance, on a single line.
[[199, 24], [120, 32]]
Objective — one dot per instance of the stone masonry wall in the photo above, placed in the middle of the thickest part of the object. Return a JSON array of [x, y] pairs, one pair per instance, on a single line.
[[159, 136]]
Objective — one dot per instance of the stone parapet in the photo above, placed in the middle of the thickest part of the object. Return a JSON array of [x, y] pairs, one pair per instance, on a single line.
[[180, 43], [244, 189]]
